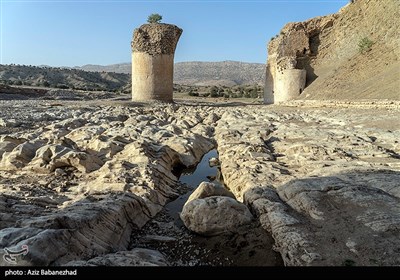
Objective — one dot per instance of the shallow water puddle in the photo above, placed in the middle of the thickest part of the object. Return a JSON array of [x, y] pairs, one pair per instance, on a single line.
[[202, 172], [193, 177]]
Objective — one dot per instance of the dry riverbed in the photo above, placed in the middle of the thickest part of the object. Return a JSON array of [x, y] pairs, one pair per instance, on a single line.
[[89, 182]]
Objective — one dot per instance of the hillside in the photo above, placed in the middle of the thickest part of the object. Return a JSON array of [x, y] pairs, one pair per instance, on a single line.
[[328, 48], [62, 78], [227, 73]]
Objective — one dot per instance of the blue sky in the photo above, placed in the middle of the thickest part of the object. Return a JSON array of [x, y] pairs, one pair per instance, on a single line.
[[74, 33]]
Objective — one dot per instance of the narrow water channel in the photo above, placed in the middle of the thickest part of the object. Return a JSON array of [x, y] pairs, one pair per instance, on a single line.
[[252, 246]]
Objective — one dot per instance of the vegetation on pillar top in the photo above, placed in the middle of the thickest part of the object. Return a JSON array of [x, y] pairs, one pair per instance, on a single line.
[[154, 18]]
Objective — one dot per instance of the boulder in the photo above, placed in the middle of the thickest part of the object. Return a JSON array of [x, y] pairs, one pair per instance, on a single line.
[[9, 123], [215, 215]]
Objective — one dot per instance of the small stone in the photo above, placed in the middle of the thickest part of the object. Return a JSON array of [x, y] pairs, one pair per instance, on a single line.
[[59, 172], [213, 162], [158, 238]]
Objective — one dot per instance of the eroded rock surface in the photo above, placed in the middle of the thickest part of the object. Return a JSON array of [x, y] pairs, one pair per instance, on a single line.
[[156, 38], [83, 184], [77, 181], [324, 182]]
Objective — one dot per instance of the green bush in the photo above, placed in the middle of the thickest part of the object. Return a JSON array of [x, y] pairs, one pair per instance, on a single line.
[[193, 93], [154, 18], [365, 45], [214, 91], [214, 94], [276, 36]]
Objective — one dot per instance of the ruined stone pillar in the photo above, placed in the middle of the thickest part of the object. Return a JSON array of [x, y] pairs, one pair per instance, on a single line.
[[289, 84], [153, 48], [288, 55]]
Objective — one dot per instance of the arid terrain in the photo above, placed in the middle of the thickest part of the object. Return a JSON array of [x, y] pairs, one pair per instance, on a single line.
[[85, 182]]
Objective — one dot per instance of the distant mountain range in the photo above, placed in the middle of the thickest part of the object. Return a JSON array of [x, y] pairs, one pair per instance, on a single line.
[[116, 77], [227, 73], [125, 68], [224, 73]]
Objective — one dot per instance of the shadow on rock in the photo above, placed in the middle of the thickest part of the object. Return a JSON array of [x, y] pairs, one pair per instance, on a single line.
[[349, 218]]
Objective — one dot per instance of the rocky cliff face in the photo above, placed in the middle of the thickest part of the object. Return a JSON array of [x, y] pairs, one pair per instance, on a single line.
[[327, 48]]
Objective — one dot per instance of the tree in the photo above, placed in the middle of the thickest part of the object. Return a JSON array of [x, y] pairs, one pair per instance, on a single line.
[[154, 18], [214, 91]]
